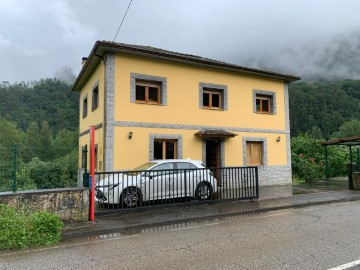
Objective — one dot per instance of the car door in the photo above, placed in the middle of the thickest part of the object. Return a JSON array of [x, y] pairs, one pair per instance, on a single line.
[[161, 181], [185, 179]]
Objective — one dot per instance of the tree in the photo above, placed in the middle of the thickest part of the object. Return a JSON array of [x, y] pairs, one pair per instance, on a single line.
[[45, 140], [350, 128]]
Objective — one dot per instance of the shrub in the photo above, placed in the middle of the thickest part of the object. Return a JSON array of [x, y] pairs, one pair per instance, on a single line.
[[308, 158], [24, 228]]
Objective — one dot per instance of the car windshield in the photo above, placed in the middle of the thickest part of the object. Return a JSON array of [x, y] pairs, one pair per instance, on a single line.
[[143, 167]]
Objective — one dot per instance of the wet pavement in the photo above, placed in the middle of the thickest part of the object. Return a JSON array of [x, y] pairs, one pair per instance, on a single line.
[[271, 198]]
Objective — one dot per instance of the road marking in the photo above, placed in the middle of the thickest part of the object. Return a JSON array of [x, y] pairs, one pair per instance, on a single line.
[[346, 266]]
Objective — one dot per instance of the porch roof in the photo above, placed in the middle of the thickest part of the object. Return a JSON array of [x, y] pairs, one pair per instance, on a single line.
[[214, 133], [348, 141]]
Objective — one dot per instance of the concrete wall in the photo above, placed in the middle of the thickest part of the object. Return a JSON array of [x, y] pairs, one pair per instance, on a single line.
[[71, 204]]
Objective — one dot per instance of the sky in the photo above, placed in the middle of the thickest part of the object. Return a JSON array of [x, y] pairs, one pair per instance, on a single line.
[[318, 40]]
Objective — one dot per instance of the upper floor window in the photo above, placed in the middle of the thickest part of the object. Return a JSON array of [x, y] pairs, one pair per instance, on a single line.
[[95, 97], [147, 92], [264, 101], [148, 89], [85, 107], [213, 96]]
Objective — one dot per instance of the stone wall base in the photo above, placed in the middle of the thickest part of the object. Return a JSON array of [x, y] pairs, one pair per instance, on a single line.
[[71, 204], [274, 175]]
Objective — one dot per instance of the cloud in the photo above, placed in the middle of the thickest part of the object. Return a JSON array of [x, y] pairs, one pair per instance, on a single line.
[[313, 39]]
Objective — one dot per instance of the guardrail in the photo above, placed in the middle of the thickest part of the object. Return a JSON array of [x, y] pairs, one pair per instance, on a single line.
[[135, 189]]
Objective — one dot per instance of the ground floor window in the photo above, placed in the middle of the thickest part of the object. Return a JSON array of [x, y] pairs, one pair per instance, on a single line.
[[254, 153], [165, 146], [165, 149]]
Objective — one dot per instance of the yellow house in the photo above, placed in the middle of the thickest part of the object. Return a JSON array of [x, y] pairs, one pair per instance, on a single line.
[[147, 103]]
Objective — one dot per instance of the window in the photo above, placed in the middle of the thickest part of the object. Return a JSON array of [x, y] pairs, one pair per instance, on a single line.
[[85, 107], [96, 157], [165, 149], [185, 165], [84, 157], [254, 153], [148, 89], [212, 99], [147, 92], [95, 97], [264, 101], [165, 146], [164, 166], [213, 96]]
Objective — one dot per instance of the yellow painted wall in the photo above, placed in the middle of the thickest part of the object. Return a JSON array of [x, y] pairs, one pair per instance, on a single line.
[[130, 153], [183, 96], [97, 116], [99, 140], [93, 117]]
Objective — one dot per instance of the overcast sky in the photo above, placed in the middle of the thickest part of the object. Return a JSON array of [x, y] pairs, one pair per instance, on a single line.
[[314, 39]]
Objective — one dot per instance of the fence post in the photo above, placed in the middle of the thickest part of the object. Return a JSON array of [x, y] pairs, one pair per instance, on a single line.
[[84, 165], [14, 186]]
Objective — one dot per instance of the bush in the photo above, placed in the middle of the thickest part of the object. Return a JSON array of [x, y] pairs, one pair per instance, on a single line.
[[308, 159], [24, 228]]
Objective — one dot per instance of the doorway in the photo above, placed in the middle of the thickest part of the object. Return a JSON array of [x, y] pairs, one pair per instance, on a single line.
[[213, 157]]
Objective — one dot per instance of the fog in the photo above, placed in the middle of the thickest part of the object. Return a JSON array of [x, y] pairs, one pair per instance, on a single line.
[[316, 40]]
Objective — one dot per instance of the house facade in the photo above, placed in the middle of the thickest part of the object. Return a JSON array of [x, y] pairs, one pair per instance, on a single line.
[[147, 103]]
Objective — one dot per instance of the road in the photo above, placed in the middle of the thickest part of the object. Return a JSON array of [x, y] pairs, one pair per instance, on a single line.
[[320, 237]]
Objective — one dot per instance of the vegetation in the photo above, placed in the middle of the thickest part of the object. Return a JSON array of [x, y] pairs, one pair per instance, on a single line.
[[308, 159], [42, 122], [320, 112], [24, 228], [320, 109]]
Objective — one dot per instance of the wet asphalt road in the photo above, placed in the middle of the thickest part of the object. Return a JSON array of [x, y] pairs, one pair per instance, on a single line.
[[318, 237]]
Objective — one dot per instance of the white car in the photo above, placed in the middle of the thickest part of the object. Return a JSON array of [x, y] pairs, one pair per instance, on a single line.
[[156, 180]]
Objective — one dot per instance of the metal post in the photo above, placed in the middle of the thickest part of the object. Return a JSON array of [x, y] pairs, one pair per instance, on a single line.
[[84, 165], [14, 186], [327, 171], [92, 173], [350, 170]]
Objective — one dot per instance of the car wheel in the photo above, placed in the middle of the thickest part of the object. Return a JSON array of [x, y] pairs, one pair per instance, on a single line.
[[130, 197], [203, 191]]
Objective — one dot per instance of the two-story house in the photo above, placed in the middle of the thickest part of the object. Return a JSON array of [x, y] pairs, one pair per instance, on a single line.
[[148, 103]]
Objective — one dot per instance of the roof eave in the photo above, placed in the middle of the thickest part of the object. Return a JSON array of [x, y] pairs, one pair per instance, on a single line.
[[100, 48]]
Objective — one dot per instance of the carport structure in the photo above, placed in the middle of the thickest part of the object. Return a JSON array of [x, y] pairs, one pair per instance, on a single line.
[[350, 142]]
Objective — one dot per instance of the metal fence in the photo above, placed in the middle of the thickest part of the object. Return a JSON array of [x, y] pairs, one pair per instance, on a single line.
[[139, 189], [24, 168]]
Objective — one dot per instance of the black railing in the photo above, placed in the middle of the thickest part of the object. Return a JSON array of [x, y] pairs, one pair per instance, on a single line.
[[134, 189]]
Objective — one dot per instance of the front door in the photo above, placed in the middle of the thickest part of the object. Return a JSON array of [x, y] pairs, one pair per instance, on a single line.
[[213, 157]]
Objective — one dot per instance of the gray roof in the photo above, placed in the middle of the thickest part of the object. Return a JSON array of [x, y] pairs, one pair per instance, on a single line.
[[102, 47]]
